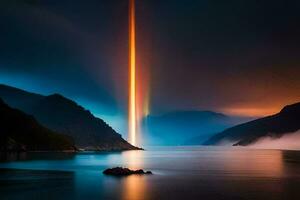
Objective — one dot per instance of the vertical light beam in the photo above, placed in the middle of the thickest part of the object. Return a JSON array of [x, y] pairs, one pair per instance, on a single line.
[[132, 75]]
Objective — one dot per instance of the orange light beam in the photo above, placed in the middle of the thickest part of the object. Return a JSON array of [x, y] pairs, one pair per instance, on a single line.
[[132, 75]]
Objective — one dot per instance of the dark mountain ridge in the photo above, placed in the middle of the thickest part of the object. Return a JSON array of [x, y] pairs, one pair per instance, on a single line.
[[18, 98], [190, 115], [21, 132], [65, 116], [286, 121]]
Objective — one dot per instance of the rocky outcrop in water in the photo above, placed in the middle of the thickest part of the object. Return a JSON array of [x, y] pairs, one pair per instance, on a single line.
[[120, 171]]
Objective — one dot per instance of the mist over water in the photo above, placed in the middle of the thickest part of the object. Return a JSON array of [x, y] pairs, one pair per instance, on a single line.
[[289, 141]]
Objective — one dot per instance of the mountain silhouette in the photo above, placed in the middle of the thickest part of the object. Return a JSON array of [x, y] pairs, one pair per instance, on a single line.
[[21, 132], [181, 127], [284, 122], [63, 115]]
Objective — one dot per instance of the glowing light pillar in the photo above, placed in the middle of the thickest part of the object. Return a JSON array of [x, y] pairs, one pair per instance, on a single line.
[[132, 75]]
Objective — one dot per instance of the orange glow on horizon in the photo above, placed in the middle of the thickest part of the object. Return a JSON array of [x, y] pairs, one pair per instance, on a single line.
[[251, 112], [132, 75]]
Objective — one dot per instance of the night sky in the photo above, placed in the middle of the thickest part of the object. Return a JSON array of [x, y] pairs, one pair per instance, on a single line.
[[237, 57]]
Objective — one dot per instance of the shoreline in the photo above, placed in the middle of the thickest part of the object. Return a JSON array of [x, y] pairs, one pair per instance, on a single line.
[[74, 151]]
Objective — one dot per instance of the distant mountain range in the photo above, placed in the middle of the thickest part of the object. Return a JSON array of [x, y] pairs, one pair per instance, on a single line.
[[67, 117], [21, 132], [181, 127], [285, 122]]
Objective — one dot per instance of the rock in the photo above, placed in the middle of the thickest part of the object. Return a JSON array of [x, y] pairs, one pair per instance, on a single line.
[[120, 171]]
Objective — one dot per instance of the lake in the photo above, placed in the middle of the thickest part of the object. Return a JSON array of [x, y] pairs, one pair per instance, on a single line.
[[192, 172]]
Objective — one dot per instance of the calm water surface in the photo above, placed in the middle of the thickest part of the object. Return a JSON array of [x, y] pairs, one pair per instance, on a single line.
[[179, 173]]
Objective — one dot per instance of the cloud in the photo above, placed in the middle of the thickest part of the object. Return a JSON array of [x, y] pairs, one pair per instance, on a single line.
[[290, 141]]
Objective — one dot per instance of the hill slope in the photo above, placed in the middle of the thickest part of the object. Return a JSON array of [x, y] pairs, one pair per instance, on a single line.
[[286, 121], [65, 116], [21, 132], [178, 127]]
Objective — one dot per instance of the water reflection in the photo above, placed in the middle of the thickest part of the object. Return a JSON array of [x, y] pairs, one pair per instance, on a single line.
[[267, 163], [179, 173], [134, 187], [24, 156], [9, 157], [31, 184], [133, 159]]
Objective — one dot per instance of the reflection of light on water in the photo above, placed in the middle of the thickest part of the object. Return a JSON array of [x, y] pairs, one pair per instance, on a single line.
[[134, 159], [134, 186], [267, 163]]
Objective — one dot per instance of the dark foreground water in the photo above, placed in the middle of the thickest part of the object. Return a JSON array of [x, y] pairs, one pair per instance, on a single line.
[[179, 173]]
